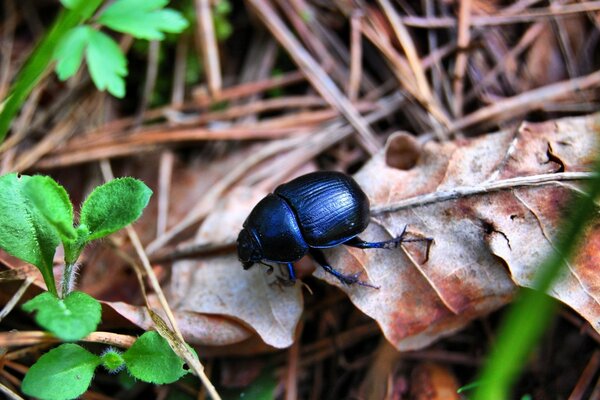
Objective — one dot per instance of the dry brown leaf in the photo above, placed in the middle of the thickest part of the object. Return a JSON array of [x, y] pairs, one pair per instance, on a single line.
[[217, 285], [196, 328], [483, 244]]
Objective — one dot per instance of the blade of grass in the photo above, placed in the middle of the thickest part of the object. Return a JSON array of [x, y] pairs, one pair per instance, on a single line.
[[528, 318], [39, 62]]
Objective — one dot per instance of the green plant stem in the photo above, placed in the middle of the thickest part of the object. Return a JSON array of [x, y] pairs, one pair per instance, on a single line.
[[527, 319], [39, 62], [67, 283]]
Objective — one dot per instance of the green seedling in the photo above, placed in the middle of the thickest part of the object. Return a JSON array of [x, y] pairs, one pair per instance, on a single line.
[[66, 371], [76, 33], [142, 19], [36, 216]]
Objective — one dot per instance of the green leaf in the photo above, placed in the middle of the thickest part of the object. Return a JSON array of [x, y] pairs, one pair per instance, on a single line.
[[52, 202], [63, 373], [143, 19], [106, 63], [71, 318], [39, 62], [150, 359], [263, 388], [24, 232], [114, 205], [85, 8], [69, 52]]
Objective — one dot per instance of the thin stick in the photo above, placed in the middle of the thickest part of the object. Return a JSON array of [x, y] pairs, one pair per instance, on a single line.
[[27, 338], [528, 101], [499, 19], [586, 377], [460, 67], [16, 297], [487, 187], [314, 73], [9, 393], [194, 363], [355, 55], [208, 43]]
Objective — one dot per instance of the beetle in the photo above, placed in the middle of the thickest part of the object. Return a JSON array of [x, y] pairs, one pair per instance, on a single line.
[[312, 212]]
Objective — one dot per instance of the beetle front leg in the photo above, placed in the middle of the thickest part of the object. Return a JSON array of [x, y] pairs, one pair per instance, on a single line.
[[352, 279]]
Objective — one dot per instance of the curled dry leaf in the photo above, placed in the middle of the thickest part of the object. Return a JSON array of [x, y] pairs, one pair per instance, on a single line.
[[483, 244]]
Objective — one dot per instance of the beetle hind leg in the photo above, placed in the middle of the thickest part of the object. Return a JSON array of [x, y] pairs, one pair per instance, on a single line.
[[389, 244], [349, 279]]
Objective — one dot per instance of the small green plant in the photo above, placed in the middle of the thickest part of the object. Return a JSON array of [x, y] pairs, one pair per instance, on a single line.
[[76, 33], [142, 19], [66, 371], [36, 216]]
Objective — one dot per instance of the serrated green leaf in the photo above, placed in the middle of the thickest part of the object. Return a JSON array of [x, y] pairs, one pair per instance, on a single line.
[[63, 373], [69, 52], [52, 202], [143, 19], [113, 206], [71, 318], [106, 63], [150, 359], [24, 232]]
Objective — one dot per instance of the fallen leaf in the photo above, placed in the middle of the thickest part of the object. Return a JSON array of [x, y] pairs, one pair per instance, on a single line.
[[483, 244], [217, 285]]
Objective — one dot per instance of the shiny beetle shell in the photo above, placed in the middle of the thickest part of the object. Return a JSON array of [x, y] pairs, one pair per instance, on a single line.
[[317, 210], [330, 207]]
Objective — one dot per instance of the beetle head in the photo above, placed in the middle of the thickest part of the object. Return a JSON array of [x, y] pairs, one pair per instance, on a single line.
[[249, 251]]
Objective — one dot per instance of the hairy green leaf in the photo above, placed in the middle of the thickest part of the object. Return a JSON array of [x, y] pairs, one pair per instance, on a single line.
[[63, 373], [150, 359], [106, 63], [71, 318], [69, 51], [24, 232], [143, 19], [114, 205], [52, 202]]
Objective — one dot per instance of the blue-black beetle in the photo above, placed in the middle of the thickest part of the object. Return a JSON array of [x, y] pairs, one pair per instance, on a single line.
[[314, 211]]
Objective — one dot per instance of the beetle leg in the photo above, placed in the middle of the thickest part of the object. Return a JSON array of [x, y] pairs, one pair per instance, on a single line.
[[291, 273], [345, 279], [388, 244]]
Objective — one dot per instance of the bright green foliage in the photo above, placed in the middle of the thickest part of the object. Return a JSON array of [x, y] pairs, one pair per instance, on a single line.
[[40, 60], [84, 7], [223, 28], [24, 232], [69, 52], [114, 205], [106, 63], [150, 359], [71, 318], [63, 373], [143, 19], [112, 360], [52, 202]]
